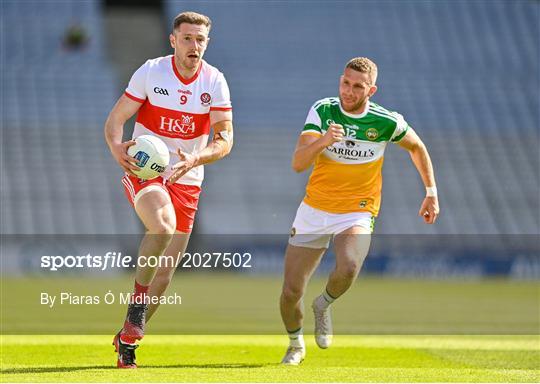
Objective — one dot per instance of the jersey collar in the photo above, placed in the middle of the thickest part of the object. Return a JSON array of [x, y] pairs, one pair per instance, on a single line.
[[358, 116], [183, 79]]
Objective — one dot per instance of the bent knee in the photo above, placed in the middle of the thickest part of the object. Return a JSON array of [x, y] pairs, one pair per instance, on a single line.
[[292, 293], [349, 270], [157, 213], [163, 224], [163, 227]]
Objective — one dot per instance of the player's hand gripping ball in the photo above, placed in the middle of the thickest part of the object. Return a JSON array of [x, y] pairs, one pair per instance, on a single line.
[[152, 156]]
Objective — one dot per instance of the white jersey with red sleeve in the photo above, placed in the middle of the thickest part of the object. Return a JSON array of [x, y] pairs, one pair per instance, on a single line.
[[177, 110]]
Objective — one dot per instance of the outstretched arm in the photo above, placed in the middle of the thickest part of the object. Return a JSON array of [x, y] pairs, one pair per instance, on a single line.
[[420, 157], [218, 148]]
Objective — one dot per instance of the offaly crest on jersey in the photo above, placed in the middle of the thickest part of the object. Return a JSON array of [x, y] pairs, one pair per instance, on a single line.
[[347, 176], [372, 133], [178, 109]]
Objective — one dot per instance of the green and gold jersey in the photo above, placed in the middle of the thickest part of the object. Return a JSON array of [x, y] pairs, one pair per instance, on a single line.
[[347, 176]]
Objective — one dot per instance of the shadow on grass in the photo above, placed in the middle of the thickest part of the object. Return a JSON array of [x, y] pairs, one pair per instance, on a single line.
[[109, 367]]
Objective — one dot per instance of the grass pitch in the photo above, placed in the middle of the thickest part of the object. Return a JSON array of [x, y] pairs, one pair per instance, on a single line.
[[231, 358], [235, 304], [228, 329]]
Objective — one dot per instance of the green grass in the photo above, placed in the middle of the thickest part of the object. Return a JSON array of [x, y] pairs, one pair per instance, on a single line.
[[248, 304], [220, 312], [245, 358]]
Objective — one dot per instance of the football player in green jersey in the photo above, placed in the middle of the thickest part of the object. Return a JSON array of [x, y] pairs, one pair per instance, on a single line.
[[344, 139]]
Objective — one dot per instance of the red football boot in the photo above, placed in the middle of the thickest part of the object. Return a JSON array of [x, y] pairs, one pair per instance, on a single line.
[[126, 353]]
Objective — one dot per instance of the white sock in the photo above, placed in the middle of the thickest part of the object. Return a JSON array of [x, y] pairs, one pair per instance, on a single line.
[[296, 338], [324, 300]]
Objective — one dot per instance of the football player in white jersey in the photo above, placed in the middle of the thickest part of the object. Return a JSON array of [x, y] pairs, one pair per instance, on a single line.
[[177, 98]]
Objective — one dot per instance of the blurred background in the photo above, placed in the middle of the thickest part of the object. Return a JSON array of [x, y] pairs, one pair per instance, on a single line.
[[464, 74]]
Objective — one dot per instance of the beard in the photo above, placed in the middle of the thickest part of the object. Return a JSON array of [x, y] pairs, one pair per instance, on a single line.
[[191, 63], [351, 108]]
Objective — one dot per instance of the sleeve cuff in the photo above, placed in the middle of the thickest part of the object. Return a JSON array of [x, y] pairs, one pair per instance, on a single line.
[[311, 133], [400, 136], [134, 98]]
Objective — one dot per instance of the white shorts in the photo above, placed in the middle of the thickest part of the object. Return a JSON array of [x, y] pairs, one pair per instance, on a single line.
[[313, 228]]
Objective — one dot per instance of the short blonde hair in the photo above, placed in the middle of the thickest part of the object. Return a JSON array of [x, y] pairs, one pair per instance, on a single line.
[[364, 65], [192, 18]]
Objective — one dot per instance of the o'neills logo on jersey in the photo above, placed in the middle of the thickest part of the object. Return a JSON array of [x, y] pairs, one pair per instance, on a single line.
[[352, 153], [184, 125]]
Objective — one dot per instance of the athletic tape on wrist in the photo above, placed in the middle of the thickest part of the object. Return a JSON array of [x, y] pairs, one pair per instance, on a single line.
[[431, 191]]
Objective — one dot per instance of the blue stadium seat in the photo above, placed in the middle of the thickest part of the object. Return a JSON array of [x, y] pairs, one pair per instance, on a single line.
[[57, 174], [464, 74]]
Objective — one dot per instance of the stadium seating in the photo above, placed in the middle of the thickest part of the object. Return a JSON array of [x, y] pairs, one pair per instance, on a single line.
[[464, 74], [57, 174]]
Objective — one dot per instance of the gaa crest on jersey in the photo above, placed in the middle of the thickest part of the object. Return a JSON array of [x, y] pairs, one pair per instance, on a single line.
[[161, 91], [206, 99], [372, 133]]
